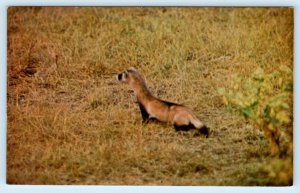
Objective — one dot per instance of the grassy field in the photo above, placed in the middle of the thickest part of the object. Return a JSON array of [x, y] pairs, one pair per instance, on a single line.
[[70, 122]]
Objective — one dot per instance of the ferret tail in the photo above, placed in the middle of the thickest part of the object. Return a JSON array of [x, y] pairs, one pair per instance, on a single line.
[[199, 125], [196, 122]]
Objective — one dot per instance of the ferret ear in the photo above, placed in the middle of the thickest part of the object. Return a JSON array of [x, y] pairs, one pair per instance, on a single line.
[[131, 69]]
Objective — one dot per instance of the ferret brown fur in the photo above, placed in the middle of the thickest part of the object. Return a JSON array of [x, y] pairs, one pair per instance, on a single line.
[[151, 107]]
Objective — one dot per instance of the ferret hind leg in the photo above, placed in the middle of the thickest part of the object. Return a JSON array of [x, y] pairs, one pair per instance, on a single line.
[[184, 127]]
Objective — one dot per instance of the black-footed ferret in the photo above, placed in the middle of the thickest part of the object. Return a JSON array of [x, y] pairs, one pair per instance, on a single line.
[[151, 107]]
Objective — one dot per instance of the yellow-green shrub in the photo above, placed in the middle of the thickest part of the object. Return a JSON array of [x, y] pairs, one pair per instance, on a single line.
[[266, 100]]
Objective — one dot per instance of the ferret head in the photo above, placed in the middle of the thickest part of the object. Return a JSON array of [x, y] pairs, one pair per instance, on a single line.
[[132, 77], [127, 76]]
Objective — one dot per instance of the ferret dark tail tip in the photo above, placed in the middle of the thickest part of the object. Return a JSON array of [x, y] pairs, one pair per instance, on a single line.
[[205, 131]]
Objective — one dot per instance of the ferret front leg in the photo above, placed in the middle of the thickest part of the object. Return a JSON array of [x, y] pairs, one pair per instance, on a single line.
[[145, 115], [150, 119]]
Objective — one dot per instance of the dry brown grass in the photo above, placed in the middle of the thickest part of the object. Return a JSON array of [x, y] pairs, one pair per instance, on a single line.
[[69, 122]]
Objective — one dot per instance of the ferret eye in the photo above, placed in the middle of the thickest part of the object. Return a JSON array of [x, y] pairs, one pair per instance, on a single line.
[[119, 76]]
